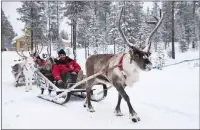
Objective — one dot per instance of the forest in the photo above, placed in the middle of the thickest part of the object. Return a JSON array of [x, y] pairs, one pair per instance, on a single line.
[[94, 24]]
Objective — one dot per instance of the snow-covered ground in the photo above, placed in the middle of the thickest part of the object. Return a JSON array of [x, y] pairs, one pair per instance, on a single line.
[[163, 99]]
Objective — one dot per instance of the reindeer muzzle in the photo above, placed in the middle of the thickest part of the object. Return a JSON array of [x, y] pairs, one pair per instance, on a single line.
[[149, 67]]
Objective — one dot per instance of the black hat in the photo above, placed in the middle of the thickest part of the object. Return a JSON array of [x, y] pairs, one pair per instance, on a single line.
[[38, 57], [61, 52]]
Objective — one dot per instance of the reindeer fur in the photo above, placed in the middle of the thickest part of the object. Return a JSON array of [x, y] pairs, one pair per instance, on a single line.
[[28, 70]]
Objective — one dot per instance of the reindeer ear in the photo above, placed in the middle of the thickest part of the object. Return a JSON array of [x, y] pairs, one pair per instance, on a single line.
[[134, 53]]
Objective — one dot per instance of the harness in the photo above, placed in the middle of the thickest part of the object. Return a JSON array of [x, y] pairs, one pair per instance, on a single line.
[[120, 65]]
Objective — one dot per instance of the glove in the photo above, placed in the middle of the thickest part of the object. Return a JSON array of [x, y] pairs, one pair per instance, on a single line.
[[71, 67], [73, 73]]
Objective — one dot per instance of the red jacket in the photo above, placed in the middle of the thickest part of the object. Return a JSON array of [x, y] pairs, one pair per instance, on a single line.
[[62, 67]]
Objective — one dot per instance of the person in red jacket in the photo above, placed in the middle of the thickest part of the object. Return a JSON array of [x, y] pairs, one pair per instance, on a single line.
[[39, 62], [65, 65]]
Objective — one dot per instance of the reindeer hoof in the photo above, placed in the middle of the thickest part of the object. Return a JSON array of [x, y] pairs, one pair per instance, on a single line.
[[135, 118], [91, 109], [118, 113], [85, 105]]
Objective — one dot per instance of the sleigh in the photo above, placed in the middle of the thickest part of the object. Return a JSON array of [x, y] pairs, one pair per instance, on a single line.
[[51, 92]]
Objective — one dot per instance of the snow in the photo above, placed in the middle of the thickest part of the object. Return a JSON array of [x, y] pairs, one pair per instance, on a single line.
[[163, 99]]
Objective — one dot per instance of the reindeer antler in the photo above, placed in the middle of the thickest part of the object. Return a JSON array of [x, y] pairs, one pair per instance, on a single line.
[[37, 52], [22, 53], [157, 23], [122, 34]]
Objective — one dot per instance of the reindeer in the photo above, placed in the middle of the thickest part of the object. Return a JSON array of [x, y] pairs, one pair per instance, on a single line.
[[27, 68], [120, 70]]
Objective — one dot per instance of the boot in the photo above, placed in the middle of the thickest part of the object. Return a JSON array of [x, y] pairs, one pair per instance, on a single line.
[[60, 84], [80, 75]]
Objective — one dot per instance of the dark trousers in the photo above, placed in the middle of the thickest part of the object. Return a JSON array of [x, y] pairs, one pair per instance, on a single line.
[[69, 77]]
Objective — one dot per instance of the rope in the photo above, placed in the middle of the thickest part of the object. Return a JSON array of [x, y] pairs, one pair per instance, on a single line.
[[160, 67]]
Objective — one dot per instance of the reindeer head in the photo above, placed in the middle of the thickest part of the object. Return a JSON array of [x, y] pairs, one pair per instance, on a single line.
[[141, 58], [138, 56]]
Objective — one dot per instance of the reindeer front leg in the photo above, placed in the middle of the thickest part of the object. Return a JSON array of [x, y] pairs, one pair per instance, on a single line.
[[133, 115], [27, 83], [30, 83], [117, 109]]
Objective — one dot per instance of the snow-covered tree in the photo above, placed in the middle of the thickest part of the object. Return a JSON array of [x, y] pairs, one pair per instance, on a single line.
[[33, 14], [7, 33], [64, 35], [160, 56]]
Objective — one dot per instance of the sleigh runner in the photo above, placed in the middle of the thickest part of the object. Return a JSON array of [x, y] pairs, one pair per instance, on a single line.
[[62, 96]]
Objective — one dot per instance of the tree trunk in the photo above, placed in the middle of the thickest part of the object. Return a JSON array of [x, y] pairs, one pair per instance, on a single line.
[[85, 50], [3, 42], [173, 49], [165, 45], [194, 20], [57, 35], [32, 28], [74, 38], [124, 23], [114, 45]]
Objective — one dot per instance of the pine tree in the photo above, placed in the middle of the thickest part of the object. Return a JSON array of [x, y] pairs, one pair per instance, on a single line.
[[156, 12], [74, 11], [64, 35], [7, 33], [166, 24], [33, 14], [160, 57]]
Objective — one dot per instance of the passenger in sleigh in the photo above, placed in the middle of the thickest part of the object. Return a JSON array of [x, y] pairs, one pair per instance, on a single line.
[[44, 68], [65, 70], [40, 63]]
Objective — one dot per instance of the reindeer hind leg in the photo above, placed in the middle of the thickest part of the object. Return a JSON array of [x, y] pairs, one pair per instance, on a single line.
[[30, 83], [88, 96]]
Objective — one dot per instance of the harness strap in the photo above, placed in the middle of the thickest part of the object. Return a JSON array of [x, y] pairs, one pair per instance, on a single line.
[[120, 65]]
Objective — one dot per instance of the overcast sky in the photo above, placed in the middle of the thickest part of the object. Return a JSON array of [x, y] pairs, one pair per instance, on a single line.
[[9, 9]]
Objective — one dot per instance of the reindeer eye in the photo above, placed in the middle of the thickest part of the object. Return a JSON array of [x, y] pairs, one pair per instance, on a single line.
[[145, 57]]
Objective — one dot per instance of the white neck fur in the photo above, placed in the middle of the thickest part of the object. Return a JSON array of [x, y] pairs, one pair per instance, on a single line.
[[131, 70]]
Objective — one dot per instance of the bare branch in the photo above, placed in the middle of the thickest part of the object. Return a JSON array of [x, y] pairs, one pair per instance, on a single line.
[[156, 18], [151, 22]]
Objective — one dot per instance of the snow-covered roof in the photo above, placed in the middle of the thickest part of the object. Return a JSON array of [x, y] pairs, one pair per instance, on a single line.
[[13, 42], [15, 38]]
